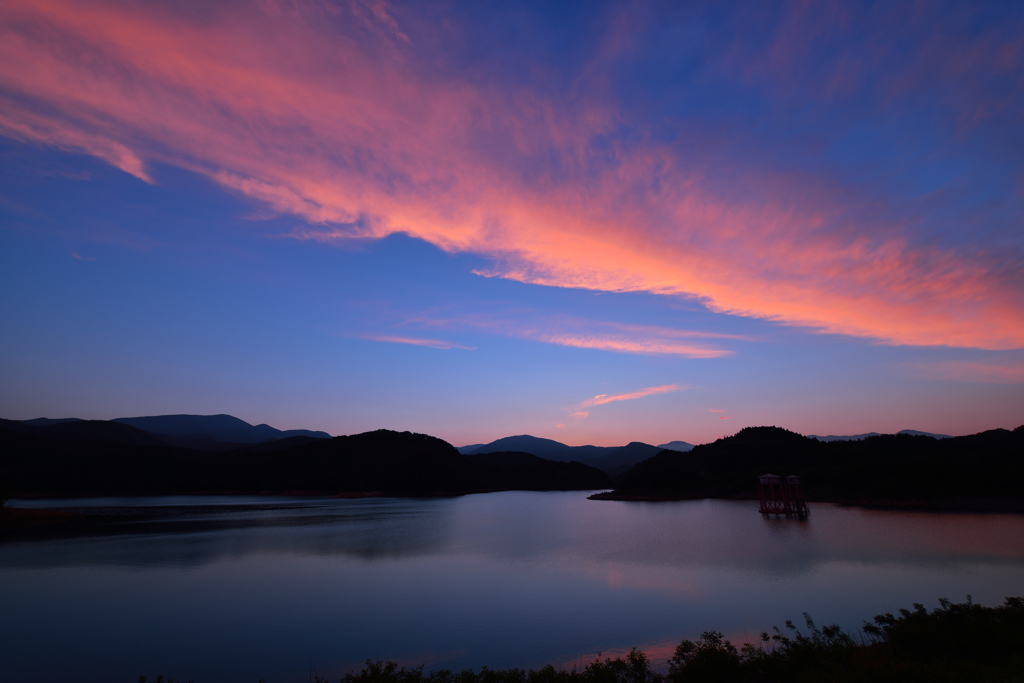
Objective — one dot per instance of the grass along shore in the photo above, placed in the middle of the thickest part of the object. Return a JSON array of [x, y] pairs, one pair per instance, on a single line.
[[955, 642]]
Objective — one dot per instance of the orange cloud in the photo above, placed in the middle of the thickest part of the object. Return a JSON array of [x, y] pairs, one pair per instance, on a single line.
[[432, 343], [602, 399], [345, 122]]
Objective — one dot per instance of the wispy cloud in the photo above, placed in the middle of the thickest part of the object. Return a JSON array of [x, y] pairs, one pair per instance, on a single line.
[[350, 122], [602, 399], [987, 371], [587, 334], [36, 128], [652, 346], [580, 411], [431, 343], [75, 255]]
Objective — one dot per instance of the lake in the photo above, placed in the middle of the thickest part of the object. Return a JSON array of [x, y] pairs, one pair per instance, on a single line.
[[240, 588]]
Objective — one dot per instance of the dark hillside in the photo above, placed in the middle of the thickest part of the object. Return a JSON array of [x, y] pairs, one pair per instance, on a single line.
[[524, 443], [510, 470], [218, 427], [85, 430], [615, 461], [899, 467], [32, 463], [399, 463], [611, 459], [193, 432]]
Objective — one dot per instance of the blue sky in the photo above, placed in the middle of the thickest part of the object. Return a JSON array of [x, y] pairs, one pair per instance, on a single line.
[[597, 223]]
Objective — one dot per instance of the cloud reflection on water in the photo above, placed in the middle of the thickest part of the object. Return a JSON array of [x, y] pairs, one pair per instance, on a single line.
[[238, 589], [521, 527]]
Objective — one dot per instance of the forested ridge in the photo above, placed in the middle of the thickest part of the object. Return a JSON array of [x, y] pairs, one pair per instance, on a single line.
[[898, 468], [381, 462]]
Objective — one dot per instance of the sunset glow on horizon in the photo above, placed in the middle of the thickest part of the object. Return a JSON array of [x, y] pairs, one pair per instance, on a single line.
[[460, 220]]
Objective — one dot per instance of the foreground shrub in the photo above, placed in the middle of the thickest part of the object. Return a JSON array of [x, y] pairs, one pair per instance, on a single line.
[[635, 668], [954, 643]]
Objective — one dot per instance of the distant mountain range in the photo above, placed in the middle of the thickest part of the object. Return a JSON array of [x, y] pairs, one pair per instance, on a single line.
[[95, 457], [858, 437], [610, 459], [201, 432], [680, 446]]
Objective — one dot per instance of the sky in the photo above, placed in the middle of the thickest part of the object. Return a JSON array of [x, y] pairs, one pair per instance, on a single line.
[[596, 222]]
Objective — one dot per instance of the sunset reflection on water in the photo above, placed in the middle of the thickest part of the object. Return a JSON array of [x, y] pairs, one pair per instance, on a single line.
[[243, 588]]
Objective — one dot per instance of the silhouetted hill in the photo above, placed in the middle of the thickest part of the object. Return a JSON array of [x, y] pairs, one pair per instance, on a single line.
[[35, 463], [616, 460], [386, 461], [858, 437], [611, 459], [278, 444], [894, 468], [914, 432], [85, 430], [76, 429], [849, 437], [219, 427], [399, 463], [524, 443], [680, 446], [526, 471], [44, 421]]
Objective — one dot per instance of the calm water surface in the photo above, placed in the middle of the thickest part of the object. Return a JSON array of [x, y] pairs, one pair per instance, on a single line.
[[237, 588]]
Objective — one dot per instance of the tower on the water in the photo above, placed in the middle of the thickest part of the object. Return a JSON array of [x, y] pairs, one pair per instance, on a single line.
[[778, 497]]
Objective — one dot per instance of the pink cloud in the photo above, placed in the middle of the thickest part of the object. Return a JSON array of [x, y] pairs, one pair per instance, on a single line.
[[648, 346], [431, 343], [33, 128], [346, 123], [602, 399]]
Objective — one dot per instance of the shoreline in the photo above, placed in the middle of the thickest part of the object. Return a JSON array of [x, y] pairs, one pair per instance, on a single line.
[[20, 519], [290, 493], [1002, 505], [964, 504]]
